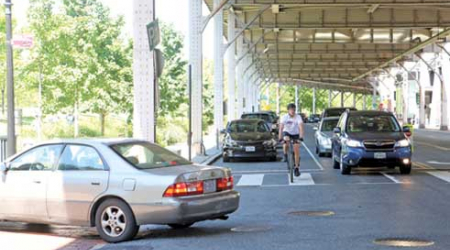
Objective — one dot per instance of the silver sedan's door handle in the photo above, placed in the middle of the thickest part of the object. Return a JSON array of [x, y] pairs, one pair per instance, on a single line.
[[37, 181], [95, 183]]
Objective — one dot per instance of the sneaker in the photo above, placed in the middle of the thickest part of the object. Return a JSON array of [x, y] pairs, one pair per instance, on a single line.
[[297, 172], [285, 158]]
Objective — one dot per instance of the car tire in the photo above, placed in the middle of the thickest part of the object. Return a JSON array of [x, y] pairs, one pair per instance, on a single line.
[[335, 163], [106, 224], [180, 226], [226, 158], [405, 169], [273, 158], [345, 169], [317, 150]]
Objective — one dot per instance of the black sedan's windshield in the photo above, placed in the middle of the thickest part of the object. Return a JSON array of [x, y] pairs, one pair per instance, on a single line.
[[247, 127], [147, 156], [363, 123]]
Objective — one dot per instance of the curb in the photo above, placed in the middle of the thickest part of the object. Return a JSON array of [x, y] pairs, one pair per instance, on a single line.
[[212, 159]]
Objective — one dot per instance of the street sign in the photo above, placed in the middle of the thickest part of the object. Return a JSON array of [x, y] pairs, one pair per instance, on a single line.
[[153, 34], [23, 41]]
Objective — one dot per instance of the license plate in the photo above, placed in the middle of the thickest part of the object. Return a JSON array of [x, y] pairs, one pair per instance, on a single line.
[[379, 155], [249, 149], [209, 186]]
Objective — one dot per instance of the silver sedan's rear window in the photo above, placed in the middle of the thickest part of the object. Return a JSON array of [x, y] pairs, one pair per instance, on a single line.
[[146, 155]]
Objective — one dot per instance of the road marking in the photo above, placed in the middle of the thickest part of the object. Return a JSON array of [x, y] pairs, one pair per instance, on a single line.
[[392, 178], [422, 165], [314, 158], [251, 180], [305, 179], [271, 171], [445, 176], [431, 145], [438, 163]]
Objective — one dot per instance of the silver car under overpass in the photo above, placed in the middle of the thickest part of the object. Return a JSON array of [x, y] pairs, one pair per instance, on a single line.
[[115, 185]]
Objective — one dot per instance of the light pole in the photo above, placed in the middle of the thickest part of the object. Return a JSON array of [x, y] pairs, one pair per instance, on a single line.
[[11, 135]]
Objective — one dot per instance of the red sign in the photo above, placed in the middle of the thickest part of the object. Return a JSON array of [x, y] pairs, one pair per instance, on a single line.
[[23, 41]]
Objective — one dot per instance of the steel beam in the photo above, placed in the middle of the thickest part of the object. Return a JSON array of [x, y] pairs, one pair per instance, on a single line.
[[231, 69], [218, 8], [195, 60], [218, 70]]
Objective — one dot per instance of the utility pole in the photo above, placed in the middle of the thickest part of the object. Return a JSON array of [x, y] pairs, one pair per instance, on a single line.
[[11, 135]]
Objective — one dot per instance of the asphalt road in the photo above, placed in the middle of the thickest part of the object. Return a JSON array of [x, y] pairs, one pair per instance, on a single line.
[[368, 205]]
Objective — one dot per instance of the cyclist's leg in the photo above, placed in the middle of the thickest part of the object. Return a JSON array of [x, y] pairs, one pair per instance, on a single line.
[[296, 150], [286, 139]]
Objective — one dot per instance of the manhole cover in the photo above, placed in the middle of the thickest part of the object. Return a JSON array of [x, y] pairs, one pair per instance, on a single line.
[[249, 229], [311, 213], [403, 242]]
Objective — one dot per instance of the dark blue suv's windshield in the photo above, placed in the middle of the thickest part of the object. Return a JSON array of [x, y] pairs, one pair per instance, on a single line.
[[364, 123]]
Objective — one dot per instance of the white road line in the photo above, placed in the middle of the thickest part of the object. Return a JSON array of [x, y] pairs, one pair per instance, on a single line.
[[305, 179], [251, 180], [271, 171], [392, 178], [312, 155], [443, 175]]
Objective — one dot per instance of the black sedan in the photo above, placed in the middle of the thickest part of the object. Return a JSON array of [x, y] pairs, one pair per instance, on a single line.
[[248, 138]]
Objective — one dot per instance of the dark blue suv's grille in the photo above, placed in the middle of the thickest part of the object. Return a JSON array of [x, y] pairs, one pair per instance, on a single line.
[[379, 145]]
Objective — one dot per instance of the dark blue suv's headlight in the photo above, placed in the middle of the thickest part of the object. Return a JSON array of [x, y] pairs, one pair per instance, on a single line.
[[353, 143], [402, 143]]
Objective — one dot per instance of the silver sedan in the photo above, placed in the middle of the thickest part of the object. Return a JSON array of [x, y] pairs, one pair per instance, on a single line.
[[114, 185], [323, 135]]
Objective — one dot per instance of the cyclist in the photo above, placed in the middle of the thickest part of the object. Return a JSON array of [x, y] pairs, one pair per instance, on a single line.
[[291, 128]]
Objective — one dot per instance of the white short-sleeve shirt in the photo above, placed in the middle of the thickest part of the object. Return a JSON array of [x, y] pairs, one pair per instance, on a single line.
[[291, 124]]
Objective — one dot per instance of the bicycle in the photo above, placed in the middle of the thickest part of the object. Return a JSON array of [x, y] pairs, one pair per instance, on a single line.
[[291, 159]]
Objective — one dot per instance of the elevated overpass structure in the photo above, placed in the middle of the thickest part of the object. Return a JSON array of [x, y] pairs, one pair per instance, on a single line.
[[395, 50]]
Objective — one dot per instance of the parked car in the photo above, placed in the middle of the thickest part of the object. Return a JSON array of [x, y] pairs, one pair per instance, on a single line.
[[370, 139], [304, 117], [314, 118], [248, 138], [114, 185], [335, 112], [269, 118], [323, 135]]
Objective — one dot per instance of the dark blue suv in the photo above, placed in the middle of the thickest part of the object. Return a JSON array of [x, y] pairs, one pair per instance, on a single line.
[[370, 139]]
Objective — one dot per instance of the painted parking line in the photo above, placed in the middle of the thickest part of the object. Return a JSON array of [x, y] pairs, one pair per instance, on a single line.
[[305, 179], [443, 175], [251, 180], [395, 180], [312, 156], [432, 146], [422, 165]]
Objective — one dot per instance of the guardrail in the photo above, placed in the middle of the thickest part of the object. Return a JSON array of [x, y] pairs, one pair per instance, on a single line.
[[2, 148]]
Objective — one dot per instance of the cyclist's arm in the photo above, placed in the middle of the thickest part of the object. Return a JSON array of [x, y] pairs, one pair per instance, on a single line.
[[280, 132]]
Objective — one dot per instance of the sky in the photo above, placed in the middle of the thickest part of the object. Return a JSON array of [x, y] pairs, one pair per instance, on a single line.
[[172, 11]]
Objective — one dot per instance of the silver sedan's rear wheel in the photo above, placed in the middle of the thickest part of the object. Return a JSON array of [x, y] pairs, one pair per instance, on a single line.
[[115, 221]]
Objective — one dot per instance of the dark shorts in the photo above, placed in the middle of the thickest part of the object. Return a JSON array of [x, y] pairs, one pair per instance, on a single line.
[[295, 138]]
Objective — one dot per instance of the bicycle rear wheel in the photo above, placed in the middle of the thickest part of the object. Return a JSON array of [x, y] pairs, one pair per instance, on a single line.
[[291, 163]]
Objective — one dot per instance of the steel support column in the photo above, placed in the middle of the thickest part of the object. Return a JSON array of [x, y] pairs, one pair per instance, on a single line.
[[143, 73], [364, 102], [354, 100], [342, 99], [296, 98], [218, 70], [195, 60], [314, 101], [231, 68], [424, 78], [278, 98], [445, 67], [374, 98], [330, 98], [240, 78]]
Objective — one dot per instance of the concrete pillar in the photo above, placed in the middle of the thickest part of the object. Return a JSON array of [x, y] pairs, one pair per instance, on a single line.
[[445, 64], [218, 71], [240, 77], [342, 99], [330, 98], [314, 101], [364, 102], [143, 73], [278, 98], [231, 68], [374, 98], [195, 60], [424, 79]]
